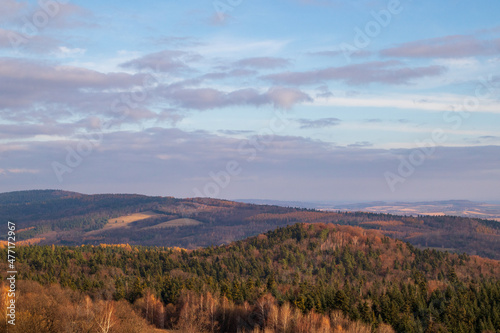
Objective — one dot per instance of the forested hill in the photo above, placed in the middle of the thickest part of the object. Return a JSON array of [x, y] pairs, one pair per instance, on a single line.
[[68, 218], [306, 278]]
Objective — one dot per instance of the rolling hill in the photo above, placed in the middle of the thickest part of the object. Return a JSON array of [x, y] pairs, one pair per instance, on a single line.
[[305, 278], [68, 218]]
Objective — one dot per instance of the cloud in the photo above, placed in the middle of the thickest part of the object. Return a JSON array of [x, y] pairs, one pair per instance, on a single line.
[[32, 44], [40, 93], [28, 84], [66, 52], [246, 67], [34, 92], [171, 116], [439, 102], [386, 72], [362, 144], [173, 162], [263, 63], [11, 8], [210, 98], [30, 130], [455, 46], [285, 98], [16, 171], [25, 72], [69, 15], [235, 132], [324, 92], [219, 19], [237, 48], [4, 38], [335, 53], [229, 74], [167, 61], [25, 18], [318, 123], [23, 33]]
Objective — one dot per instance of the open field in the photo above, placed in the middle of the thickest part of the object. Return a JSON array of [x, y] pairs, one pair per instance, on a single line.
[[127, 219], [123, 221], [175, 223]]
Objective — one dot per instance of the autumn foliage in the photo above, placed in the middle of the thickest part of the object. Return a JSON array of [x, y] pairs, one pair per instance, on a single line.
[[302, 278]]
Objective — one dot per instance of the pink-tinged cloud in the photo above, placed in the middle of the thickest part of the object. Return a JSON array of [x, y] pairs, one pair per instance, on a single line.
[[30, 130], [28, 73], [34, 44], [36, 89], [455, 46], [70, 15], [219, 18], [4, 38], [209, 98], [11, 8], [286, 98], [61, 14], [156, 159], [336, 53], [386, 72], [263, 62], [167, 61], [229, 74]]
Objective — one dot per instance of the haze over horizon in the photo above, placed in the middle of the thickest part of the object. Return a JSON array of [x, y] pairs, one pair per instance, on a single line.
[[286, 100]]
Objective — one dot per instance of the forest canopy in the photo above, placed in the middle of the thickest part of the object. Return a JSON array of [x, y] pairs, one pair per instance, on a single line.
[[301, 278]]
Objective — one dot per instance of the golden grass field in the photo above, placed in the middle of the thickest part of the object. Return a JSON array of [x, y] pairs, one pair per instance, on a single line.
[[123, 221], [176, 223], [127, 219]]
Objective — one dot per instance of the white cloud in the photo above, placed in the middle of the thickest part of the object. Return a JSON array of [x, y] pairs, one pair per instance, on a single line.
[[436, 102], [66, 52], [18, 171]]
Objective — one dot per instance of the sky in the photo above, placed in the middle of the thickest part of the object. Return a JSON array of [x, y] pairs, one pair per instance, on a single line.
[[355, 100]]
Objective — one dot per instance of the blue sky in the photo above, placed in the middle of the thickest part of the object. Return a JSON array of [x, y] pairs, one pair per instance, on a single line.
[[290, 99]]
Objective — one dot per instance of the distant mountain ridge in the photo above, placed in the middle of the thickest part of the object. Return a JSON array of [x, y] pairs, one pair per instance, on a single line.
[[69, 218], [465, 208]]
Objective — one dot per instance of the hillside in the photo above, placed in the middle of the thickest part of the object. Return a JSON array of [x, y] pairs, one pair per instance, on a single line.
[[462, 208], [303, 278], [67, 218]]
